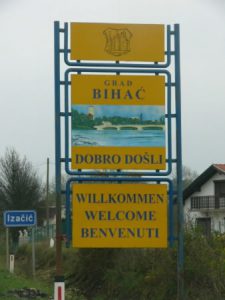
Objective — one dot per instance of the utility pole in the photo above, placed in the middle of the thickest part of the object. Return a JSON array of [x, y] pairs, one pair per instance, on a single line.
[[47, 198]]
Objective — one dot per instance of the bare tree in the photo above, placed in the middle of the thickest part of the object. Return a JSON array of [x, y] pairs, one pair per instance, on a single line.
[[188, 176]]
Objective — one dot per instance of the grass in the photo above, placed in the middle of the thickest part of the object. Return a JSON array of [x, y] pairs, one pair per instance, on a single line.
[[10, 281]]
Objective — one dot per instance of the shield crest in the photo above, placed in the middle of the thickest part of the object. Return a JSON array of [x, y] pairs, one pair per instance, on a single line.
[[117, 41]]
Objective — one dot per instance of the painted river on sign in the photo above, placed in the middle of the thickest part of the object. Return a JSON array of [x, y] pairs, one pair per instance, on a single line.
[[141, 138]]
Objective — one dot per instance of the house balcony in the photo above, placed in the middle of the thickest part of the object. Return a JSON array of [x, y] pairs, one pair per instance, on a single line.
[[208, 203]]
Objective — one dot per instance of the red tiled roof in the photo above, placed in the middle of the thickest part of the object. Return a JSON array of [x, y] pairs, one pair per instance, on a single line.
[[220, 166]]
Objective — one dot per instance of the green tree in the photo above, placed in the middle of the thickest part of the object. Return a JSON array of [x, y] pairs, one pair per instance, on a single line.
[[20, 186]]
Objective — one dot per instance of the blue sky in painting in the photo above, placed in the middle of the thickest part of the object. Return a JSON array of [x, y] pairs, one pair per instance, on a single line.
[[148, 112]]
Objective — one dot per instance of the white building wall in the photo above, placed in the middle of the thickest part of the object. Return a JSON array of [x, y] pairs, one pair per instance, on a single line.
[[217, 217]]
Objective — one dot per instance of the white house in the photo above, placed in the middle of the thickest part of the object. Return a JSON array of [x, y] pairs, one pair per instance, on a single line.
[[204, 200]]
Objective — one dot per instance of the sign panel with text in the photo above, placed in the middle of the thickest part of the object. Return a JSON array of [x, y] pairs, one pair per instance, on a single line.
[[119, 216], [118, 122], [124, 42], [19, 218]]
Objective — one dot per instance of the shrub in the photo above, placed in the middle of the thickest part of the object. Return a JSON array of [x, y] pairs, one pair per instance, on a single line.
[[137, 274]]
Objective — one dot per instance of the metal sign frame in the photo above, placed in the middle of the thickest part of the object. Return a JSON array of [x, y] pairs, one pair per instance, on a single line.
[[121, 180], [81, 67], [168, 116], [68, 62], [174, 150]]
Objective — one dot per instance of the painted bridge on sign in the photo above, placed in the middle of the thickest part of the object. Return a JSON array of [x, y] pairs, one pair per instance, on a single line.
[[109, 125]]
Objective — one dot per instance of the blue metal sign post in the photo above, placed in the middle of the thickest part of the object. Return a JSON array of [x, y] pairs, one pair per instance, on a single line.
[[180, 263], [59, 278], [20, 218]]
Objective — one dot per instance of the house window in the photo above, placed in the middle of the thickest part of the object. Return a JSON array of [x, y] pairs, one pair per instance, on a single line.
[[219, 194], [199, 202], [195, 203]]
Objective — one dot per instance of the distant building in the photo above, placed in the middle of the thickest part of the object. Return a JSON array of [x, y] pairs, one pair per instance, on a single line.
[[91, 112], [204, 200]]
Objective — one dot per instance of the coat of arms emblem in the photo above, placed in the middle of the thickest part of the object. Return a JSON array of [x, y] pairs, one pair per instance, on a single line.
[[117, 41]]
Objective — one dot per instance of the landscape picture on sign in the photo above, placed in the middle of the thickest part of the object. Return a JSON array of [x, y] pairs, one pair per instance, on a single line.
[[118, 125]]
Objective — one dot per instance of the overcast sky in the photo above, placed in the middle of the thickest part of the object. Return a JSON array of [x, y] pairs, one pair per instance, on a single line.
[[27, 71]]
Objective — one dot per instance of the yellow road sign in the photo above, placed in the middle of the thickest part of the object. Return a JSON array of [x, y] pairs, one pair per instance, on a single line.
[[118, 122], [119, 216], [125, 158], [124, 42], [117, 90]]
